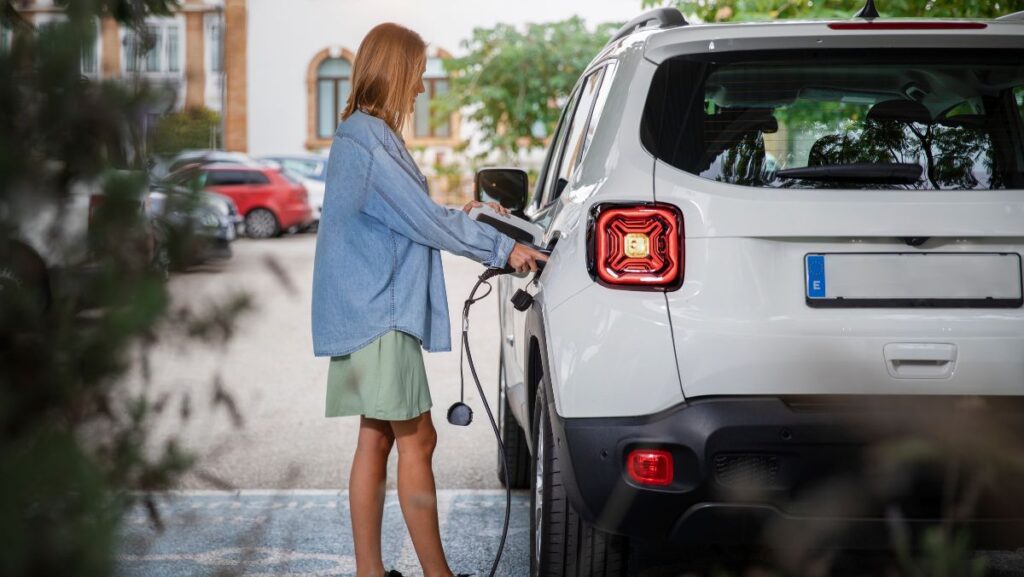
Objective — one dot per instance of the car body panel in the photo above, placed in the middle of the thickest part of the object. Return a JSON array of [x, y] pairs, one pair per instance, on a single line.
[[615, 168], [286, 200]]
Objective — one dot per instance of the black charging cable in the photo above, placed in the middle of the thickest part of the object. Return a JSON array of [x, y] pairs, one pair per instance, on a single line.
[[460, 414]]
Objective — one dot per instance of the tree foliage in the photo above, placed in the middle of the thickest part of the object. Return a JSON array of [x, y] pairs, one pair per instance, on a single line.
[[729, 10], [513, 81], [81, 301]]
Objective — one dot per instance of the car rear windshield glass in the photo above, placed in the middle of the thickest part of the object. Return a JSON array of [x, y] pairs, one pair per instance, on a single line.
[[873, 119]]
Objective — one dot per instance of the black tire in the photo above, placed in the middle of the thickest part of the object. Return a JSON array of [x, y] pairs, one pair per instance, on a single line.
[[562, 544], [261, 223], [514, 438]]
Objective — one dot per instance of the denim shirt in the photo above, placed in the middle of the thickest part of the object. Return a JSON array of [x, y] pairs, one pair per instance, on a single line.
[[378, 261]]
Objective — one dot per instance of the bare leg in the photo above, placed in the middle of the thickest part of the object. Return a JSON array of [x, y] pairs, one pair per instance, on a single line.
[[416, 493], [366, 494]]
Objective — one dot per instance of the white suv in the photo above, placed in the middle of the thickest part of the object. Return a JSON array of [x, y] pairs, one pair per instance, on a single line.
[[759, 230]]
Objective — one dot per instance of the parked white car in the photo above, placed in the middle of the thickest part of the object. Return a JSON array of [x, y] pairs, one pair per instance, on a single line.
[[312, 170], [759, 230]]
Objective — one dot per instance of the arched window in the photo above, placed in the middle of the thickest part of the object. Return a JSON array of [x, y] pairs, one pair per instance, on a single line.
[[435, 80], [328, 84], [333, 84]]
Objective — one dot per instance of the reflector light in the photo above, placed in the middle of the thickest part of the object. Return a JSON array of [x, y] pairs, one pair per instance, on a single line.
[[908, 25], [638, 245], [650, 467]]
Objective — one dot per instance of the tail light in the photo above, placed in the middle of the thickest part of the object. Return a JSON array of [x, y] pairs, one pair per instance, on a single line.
[[95, 202], [650, 467], [637, 246]]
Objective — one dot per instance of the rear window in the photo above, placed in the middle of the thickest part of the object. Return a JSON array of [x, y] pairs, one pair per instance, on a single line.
[[869, 119]]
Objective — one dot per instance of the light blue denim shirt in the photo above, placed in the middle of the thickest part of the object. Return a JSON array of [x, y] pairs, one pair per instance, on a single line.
[[378, 259]]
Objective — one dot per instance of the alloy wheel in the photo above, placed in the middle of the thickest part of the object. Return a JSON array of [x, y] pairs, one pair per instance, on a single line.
[[538, 503], [260, 223]]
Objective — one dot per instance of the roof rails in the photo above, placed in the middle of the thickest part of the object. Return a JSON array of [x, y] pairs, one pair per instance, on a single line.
[[664, 17], [1015, 17], [868, 11]]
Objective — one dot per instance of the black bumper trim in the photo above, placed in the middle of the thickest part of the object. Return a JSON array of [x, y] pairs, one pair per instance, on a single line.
[[809, 440]]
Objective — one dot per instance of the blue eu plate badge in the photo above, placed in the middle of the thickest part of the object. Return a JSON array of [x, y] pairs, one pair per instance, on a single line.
[[815, 276]]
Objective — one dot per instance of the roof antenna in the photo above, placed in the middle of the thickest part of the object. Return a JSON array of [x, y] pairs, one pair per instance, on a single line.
[[868, 11]]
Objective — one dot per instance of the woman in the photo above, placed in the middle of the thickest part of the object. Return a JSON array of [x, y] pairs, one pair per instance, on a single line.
[[379, 294]]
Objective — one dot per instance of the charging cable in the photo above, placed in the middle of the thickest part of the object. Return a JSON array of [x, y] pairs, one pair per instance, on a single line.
[[460, 414]]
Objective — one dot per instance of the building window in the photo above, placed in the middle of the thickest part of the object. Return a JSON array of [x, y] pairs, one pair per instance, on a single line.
[[435, 82], [333, 84], [215, 40], [90, 59], [159, 52], [46, 25], [5, 38]]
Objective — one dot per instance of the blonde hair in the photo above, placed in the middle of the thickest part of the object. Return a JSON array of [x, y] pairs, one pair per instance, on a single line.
[[385, 74]]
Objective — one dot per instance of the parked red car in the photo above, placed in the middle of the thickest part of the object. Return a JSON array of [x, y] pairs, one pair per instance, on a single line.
[[270, 201]]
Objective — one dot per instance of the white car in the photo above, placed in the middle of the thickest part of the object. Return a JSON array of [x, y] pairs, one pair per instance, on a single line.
[[312, 169], [759, 232]]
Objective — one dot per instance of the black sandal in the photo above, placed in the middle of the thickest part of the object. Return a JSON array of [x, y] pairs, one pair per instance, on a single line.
[[392, 573]]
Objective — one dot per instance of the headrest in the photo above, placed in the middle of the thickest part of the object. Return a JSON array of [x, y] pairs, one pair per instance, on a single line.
[[901, 111]]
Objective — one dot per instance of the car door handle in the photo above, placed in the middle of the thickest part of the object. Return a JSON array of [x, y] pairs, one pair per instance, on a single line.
[[920, 360], [510, 339]]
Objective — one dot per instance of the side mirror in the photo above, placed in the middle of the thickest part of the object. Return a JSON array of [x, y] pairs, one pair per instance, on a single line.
[[509, 187]]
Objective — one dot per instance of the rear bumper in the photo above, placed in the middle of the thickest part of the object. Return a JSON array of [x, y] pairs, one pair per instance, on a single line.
[[744, 466], [296, 215]]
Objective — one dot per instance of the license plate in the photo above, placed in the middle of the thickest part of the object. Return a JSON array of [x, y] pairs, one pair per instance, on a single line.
[[901, 280]]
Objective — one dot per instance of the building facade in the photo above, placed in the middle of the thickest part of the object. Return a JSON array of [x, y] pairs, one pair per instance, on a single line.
[[194, 58], [279, 71]]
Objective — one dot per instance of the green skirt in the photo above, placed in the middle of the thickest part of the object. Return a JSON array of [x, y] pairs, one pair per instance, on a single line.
[[384, 380]]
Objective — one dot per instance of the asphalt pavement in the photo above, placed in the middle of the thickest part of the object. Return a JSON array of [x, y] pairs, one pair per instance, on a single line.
[[279, 387], [307, 534]]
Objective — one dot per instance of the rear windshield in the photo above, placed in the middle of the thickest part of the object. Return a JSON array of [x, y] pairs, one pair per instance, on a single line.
[[869, 119]]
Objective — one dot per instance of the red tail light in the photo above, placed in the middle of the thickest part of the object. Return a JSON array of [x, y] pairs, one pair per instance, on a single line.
[[95, 201], [638, 246], [650, 467]]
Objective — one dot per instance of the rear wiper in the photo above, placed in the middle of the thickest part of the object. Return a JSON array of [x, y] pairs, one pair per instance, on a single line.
[[869, 172]]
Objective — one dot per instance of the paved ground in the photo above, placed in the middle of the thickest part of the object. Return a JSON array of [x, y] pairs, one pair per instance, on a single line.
[[285, 447], [285, 441], [306, 534]]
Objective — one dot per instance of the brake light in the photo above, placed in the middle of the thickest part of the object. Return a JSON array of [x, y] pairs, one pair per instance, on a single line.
[[908, 26], [638, 246], [95, 202], [650, 467]]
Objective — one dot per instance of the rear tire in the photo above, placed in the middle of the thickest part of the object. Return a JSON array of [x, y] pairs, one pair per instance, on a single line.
[[514, 438], [261, 223], [563, 544]]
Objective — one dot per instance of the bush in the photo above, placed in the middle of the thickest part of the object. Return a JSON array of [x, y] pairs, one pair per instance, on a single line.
[[194, 128]]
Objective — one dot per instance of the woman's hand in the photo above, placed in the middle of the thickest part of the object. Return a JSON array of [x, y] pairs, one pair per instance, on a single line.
[[475, 203], [524, 259]]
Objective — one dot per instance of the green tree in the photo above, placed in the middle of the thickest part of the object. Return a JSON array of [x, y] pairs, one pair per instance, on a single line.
[[74, 435], [728, 10], [512, 82]]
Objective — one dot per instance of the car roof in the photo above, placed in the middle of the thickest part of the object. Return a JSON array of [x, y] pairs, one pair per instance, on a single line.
[[251, 166], [660, 27], [856, 33]]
